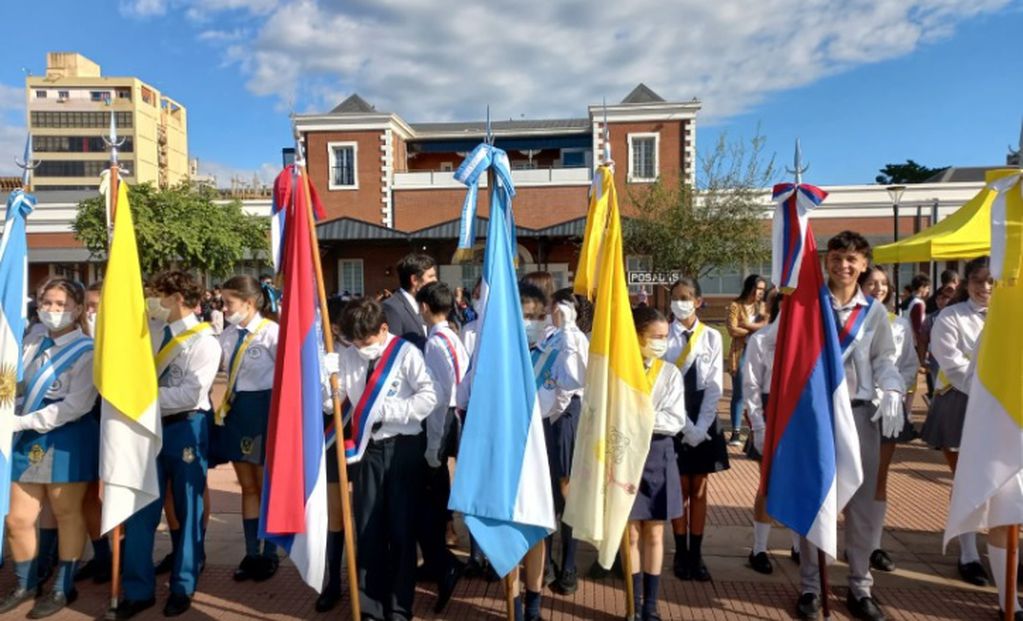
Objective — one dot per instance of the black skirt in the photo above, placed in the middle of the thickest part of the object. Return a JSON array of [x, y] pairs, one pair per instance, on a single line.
[[707, 457], [660, 495], [943, 428]]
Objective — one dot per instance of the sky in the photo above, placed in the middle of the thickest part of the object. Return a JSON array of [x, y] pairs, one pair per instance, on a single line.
[[860, 82]]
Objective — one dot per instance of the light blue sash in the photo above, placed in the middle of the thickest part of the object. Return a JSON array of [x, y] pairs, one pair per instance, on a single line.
[[47, 375]]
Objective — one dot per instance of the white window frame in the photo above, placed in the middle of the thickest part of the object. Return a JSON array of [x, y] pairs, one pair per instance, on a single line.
[[633, 178], [341, 274], [332, 163]]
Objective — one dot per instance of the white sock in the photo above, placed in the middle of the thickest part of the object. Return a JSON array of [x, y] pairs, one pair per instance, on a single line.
[[880, 509], [997, 557], [795, 541], [761, 532], [968, 548]]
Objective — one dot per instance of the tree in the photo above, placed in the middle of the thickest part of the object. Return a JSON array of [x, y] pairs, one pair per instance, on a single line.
[[179, 226], [718, 224], [910, 172]]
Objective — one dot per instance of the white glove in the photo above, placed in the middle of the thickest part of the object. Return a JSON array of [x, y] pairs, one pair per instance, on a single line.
[[693, 436], [332, 363], [20, 424], [890, 414], [758, 440], [431, 458]]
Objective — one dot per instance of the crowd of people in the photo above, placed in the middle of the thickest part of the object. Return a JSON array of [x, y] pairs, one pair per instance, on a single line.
[[419, 343]]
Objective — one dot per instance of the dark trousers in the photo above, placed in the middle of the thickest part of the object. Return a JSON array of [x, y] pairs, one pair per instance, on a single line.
[[385, 501], [435, 487]]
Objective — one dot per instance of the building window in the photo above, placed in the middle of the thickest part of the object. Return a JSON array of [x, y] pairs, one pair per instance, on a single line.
[[573, 158], [80, 119], [40, 94], [643, 157], [148, 97], [124, 93], [63, 95], [349, 276], [79, 168], [99, 95], [342, 165]]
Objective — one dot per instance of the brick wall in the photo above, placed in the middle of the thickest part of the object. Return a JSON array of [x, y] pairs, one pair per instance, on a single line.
[[535, 207], [365, 202]]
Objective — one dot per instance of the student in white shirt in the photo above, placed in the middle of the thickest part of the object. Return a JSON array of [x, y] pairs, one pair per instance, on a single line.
[[659, 497], [249, 351], [447, 361], [384, 482], [954, 340], [55, 454], [869, 364]]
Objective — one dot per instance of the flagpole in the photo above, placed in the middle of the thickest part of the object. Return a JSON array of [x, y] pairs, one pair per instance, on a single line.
[[328, 342], [1011, 566], [630, 595]]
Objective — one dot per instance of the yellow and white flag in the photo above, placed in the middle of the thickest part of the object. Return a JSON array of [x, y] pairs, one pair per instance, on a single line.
[[988, 488], [125, 375], [617, 413]]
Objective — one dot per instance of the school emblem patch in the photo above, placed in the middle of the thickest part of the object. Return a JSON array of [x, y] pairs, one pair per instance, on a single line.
[[394, 388], [35, 454], [548, 381], [8, 385], [188, 455], [247, 445]]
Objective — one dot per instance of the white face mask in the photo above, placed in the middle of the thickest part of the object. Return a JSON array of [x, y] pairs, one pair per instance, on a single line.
[[90, 320], [157, 311], [535, 329], [654, 348], [56, 321], [235, 318], [683, 309], [371, 352]]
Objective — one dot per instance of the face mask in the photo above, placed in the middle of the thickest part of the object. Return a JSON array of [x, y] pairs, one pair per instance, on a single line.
[[56, 321], [654, 348], [566, 313], [90, 320], [683, 309], [235, 318], [156, 310], [371, 352], [535, 329]]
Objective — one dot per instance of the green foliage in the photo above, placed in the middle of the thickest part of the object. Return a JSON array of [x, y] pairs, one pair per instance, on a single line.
[[719, 224], [180, 226], [910, 172]]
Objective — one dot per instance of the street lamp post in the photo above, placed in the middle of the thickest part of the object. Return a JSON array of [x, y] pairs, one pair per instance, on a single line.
[[895, 194]]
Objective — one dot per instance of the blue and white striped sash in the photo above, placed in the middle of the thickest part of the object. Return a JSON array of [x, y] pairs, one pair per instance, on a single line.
[[47, 375]]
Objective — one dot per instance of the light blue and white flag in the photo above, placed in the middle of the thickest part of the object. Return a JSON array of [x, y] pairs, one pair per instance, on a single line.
[[13, 317], [502, 485]]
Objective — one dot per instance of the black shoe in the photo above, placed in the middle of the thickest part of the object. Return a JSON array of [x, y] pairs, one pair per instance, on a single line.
[[475, 568], [1018, 616], [682, 567], [864, 608], [650, 616], [51, 604], [596, 572], [533, 617], [177, 604], [973, 573], [266, 567], [246, 569], [698, 570], [809, 606], [425, 573], [568, 582], [446, 585], [15, 599], [761, 563], [794, 555], [550, 575], [880, 561], [94, 570], [129, 608], [327, 600], [166, 565]]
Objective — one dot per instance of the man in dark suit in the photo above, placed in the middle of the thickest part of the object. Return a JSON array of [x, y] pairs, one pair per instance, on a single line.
[[401, 309]]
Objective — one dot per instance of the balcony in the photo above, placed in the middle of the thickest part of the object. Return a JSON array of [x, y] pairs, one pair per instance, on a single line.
[[423, 180]]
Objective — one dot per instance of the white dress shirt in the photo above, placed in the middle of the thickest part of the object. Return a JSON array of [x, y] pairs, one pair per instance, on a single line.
[[257, 369], [870, 361], [411, 301], [954, 340], [74, 387], [408, 399], [669, 401], [446, 378], [906, 358], [709, 367], [470, 333], [186, 383], [568, 374], [757, 372]]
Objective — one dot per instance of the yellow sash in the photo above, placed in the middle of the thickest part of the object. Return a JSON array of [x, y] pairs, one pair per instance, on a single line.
[[654, 371], [232, 377], [176, 344], [680, 362]]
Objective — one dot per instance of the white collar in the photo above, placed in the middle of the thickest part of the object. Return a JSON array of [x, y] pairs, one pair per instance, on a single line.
[[435, 328], [256, 318], [858, 299], [64, 339], [183, 324]]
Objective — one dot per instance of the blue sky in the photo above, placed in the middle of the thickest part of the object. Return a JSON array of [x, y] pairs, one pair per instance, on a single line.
[[861, 82]]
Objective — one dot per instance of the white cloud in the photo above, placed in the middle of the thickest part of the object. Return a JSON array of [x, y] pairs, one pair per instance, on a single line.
[[441, 60], [12, 128], [143, 8], [226, 174], [198, 10]]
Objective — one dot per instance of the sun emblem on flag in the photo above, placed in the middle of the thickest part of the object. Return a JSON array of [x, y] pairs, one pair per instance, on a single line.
[[8, 385], [617, 444]]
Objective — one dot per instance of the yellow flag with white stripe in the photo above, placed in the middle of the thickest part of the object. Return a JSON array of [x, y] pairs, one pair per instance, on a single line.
[[125, 375], [988, 488], [617, 413]]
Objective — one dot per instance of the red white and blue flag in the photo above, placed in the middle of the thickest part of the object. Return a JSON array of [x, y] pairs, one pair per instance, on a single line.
[[294, 507], [811, 465]]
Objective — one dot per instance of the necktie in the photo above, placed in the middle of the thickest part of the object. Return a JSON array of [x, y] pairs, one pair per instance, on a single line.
[[369, 373], [167, 336], [242, 333], [44, 344]]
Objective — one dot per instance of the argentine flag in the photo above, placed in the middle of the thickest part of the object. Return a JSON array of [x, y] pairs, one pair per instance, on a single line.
[[13, 296], [502, 485]]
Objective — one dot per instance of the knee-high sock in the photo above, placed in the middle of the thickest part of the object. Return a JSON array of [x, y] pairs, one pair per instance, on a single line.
[[968, 548], [250, 526], [47, 551], [27, 573], [269, 549], [681, 550], [335, 554], [518, 608], [568, 546], [651, 587], [548, 545], [637, 591], [532, 603], [101, 550], [65, 581], [695, 549], [761, 532], [997, 556]]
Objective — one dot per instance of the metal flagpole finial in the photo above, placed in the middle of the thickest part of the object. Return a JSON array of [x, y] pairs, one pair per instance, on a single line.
[[112, 141], [299, 150], [27, 164], [797, 162], [1018, 152]]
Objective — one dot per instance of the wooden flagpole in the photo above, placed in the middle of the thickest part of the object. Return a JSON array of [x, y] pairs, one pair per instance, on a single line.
[[1011, 567], [509, 592], [328, 342], [630, 595]]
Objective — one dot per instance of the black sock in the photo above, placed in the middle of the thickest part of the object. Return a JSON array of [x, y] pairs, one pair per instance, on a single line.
[[681, 549], [568, 545], [695, 549], [637, 591], [532, 603], [548, 545], [335, 554], [651, 585]]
